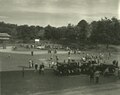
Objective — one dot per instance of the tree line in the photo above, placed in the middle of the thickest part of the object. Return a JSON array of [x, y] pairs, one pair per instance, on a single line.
[[104, 31]]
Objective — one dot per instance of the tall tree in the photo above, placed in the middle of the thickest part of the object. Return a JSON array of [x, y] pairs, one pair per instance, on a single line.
[[82, 30]]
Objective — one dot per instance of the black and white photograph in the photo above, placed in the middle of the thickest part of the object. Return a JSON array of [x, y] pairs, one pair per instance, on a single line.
[[59, 47]]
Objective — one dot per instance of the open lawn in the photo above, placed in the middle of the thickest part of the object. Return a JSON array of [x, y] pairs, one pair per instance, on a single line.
[[12, 82], [10, 61]]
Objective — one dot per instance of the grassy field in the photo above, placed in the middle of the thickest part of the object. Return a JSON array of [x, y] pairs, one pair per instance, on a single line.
[[12, 61], [12, 82]]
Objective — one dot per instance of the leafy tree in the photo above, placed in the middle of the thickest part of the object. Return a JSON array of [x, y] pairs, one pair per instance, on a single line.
[[105, 31], [82, 30]]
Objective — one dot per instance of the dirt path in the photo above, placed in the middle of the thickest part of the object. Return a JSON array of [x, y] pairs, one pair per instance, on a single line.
[[9, 50]]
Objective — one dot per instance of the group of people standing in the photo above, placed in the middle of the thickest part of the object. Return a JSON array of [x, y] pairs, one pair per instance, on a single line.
[[94, 75], [54, 51], [39, 68]]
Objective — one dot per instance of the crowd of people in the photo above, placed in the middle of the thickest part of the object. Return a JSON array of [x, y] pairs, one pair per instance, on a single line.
[[90, 64]]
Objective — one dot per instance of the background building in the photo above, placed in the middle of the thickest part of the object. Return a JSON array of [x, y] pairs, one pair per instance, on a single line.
[[4, 38]]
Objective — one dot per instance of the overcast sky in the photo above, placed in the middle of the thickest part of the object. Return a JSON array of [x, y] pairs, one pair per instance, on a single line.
[[56, 12]]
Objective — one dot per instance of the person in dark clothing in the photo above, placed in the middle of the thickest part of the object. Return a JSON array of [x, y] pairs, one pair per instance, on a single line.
[[36, 67], [119, 73], [41, 69], [57, 58], [49, 51], [55, 51], [68, 53], [91, 75], [32, 53]]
